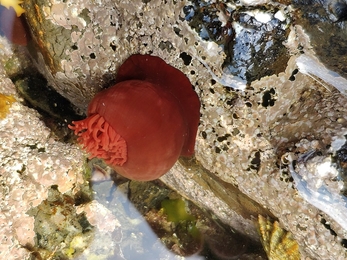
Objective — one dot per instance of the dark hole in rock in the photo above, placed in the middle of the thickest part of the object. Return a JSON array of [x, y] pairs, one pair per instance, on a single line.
[[186, 58], [223, 138], [248, 104], [292, 77], [204, 135], [268, 98], [177, 31], [167, 45], [344, 242], [113, 46], [256, 161], [327, 226]]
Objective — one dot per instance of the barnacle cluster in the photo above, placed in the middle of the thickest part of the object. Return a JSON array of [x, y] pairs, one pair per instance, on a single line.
[[320, 179]]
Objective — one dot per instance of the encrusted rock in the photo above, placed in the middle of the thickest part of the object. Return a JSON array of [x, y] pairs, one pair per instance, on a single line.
[[243, 136], [31, 162]]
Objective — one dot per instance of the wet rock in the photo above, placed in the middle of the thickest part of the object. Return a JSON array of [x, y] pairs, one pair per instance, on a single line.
[[252, 38], [32, 161], [243, 135], [59, 230], [324, 23], [36, 92]]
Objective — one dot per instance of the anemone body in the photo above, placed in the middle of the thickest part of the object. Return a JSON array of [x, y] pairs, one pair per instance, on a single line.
[[145, 122]]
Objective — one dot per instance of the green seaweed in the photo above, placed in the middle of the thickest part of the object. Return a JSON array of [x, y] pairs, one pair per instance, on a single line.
[[175, 210]]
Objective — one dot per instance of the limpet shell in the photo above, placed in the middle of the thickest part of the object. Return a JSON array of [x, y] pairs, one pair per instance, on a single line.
[[278, 243]]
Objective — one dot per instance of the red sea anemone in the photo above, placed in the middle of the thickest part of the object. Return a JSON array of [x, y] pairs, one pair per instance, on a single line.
[[142, 124]]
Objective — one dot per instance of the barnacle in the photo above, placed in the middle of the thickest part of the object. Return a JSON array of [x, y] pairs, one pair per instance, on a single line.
[[277, 242], [15, 4]]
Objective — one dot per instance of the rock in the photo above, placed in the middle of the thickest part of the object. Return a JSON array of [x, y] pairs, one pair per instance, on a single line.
[[243, 136], [323, 22]]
